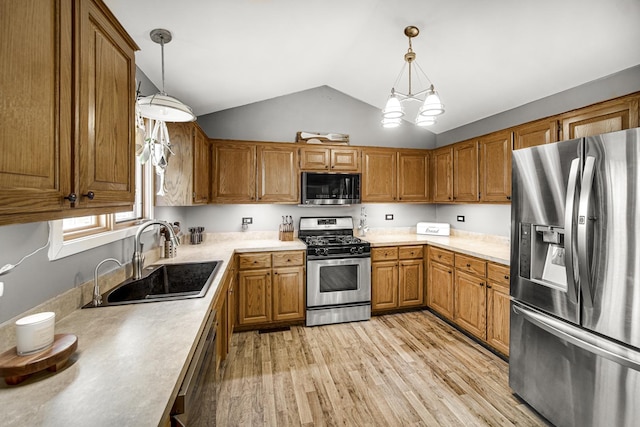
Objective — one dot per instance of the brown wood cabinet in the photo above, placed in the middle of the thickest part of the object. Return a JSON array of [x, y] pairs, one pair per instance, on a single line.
[[379, 175], [225, 313], [470, 295], [610, 116], [495, 167], [498, 307], [187, 179], [330, 159], [395, 175], [278, 174], [270, 288], [440, 284], [535, 133], [68, 90], [397, 277], [250, 172], [465, 171], [442, 174]]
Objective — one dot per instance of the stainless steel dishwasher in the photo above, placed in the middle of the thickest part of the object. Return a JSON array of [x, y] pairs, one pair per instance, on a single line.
[[195, 404]]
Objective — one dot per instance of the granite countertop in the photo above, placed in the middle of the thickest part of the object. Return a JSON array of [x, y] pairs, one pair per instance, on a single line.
[[131, 359], [491, 248]]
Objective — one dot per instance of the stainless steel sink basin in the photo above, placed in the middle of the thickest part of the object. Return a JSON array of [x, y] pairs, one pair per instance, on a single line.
[[164, 283]]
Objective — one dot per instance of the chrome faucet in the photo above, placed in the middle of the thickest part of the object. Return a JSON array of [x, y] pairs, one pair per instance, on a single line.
[[138, 258], [97, 298]]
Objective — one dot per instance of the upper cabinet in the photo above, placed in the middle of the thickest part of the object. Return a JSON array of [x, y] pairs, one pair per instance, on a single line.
[[465, 171], [68, 89], [395, 175], [250, 172], [610, 116], [187, 180], [330, 159], [535, 133], [495, 167], [442, 174]]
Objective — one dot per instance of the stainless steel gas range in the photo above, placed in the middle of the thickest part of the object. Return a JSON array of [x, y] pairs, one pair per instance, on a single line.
[[338, 271]]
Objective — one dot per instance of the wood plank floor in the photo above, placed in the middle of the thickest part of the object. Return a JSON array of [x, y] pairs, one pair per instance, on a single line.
[[394, 370]]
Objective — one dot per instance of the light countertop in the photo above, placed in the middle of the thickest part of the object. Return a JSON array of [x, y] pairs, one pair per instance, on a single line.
[[131, 359]]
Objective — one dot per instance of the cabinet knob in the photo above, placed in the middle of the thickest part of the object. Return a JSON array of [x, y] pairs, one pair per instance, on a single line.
[[275, 272], [72, 197], [508, 197], [449, 271], [506, 277], [488, 286], [326, 167], [90, 195], [468, 265], [481, 283]]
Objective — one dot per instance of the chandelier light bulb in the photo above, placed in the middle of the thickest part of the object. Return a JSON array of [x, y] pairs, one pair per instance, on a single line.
[[393, 109], [391, 123], [432, 105]]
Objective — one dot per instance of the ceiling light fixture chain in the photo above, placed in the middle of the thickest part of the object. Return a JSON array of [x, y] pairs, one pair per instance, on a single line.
[[431, 105]]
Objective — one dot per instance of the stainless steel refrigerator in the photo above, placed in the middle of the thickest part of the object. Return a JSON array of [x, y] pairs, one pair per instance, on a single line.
[[575, 280]]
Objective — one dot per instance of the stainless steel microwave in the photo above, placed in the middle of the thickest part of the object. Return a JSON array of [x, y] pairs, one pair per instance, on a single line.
[[321, 188]]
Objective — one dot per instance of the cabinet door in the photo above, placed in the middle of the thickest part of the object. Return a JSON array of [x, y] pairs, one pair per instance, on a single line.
[[345, 159], [201, 167], [235, 172], [35, 112], [413, 177], [315, 158], [442, 184], [178, 176], [498, 306], [440, 289], [495, 167], [384, 285], [410, 283], [536, 133], [288, 293], [606, 117], [379, 177], [254, 304], [105, 147], [470, 311], [465, 171], [277, 174]]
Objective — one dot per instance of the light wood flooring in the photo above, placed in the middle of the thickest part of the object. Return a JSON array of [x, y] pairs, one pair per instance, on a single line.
[[394, 370]]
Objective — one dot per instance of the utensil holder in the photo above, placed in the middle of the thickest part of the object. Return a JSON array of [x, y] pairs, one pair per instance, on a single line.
[[170, 249]]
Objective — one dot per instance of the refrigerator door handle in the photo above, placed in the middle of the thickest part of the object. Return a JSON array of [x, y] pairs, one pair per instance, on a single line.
[[583, 227], [569, 244], [581, 338]]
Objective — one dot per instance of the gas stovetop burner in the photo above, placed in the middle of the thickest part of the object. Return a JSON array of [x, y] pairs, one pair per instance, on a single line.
[[331, 240], [331, 237]]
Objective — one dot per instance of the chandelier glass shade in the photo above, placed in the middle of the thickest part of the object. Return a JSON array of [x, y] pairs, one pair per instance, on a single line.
[[161, 106], [431, 105]]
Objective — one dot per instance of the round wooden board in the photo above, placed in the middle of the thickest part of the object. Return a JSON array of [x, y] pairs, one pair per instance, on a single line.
[[16, 368]]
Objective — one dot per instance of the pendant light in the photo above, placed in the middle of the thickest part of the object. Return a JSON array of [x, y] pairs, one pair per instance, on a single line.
[[161, 106], [431, 105]]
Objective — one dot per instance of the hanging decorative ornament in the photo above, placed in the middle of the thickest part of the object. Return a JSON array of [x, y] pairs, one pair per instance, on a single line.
[[160, 149]]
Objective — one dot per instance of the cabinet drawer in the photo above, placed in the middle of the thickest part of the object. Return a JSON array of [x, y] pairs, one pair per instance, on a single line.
[[383, 254], [286, 259], [410, 252], [498, 273], [262, 260], [471, 265], [440, 255]]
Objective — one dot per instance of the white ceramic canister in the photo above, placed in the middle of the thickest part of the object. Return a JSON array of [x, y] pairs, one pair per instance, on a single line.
[[35, 332]]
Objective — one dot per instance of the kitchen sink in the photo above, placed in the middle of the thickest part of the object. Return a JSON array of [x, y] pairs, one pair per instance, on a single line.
[[164, 282]]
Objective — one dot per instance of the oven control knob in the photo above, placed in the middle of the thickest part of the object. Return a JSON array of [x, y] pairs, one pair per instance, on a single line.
[[322, 251], [353, 250]]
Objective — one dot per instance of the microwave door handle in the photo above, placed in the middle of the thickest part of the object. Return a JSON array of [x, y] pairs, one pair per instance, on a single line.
[[569, 244], [583, 230]]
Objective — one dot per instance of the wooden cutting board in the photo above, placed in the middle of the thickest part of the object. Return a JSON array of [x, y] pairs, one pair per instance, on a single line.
[[16, 369]]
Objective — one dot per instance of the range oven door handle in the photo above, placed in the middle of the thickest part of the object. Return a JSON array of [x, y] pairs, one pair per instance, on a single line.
[[584, 226], [569, 244], [581, 338]]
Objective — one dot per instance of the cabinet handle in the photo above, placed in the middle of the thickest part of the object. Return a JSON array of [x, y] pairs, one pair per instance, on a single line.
[[449, 271], [488, 286], [508, 197], [72, 197], [90, 195], [506, 277], [468, 265], [275, 272], [481, 283]]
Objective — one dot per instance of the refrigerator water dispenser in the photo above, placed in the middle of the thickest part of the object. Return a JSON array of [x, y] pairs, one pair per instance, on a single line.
[[542, 255]]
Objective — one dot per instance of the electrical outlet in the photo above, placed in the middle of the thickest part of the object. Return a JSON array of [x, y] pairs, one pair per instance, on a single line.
[[460, 218], [247, 220], [388, 217]]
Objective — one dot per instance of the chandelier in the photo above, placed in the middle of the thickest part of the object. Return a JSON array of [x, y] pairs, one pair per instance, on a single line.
[[161, 106], [431, 105]]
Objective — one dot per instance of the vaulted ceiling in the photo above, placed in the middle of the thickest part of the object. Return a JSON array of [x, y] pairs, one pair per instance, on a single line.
[[483, 56]]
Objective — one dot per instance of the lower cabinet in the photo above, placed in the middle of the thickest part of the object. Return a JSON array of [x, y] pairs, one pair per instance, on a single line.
[[225, 313], [397, 279], [472, 293], [270, 288]]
